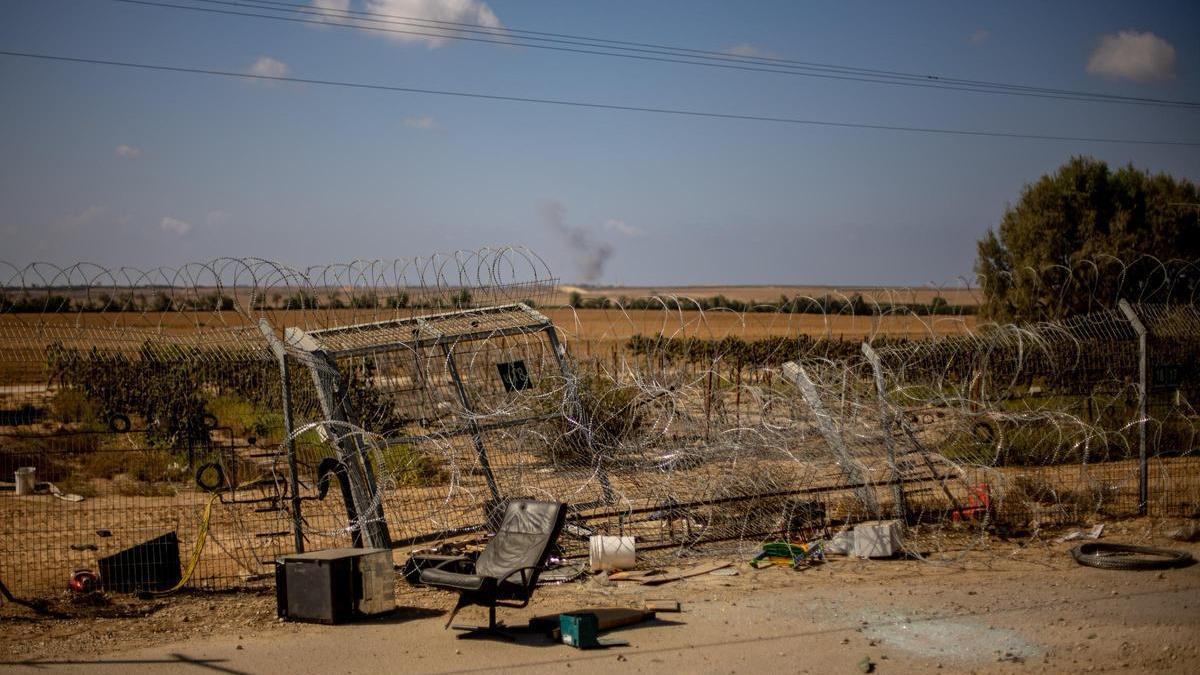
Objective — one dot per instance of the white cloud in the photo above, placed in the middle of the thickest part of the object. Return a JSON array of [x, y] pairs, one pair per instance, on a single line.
[[128, 151], [1134, 56], [621, 227], [422, 122], [332, 5], [84, 217], [175, 226], [746, 49], [979, 37], [457, 11], [265, 66], [217, 218]]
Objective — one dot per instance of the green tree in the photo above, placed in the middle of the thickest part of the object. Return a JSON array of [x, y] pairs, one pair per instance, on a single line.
[[1083, 237]]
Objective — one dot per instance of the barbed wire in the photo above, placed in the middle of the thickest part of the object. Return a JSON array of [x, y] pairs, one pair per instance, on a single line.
[[449, 384]]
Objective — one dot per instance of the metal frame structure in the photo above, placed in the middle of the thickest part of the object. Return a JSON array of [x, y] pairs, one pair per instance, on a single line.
[[321, 350]]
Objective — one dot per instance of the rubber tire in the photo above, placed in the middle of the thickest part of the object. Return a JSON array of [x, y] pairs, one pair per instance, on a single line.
[[1105, 556], [119, 424], [984, 432], [208, 487]]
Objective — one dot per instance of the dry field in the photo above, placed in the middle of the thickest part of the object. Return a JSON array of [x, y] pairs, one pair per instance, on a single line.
[[579, 324], [770, 294]]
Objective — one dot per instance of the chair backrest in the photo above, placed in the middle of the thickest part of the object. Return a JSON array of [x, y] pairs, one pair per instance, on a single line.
[[525, 538]]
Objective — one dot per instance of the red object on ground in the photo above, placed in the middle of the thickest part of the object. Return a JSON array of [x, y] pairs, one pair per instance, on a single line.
[[84, 581], [978, 504]]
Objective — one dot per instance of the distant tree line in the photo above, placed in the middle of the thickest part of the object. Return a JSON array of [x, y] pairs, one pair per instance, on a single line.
[[761, 352], [161, 301], [827, 304]]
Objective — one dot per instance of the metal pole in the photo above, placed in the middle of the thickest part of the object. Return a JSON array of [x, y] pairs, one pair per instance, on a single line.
[[1143, 468], [845, 462], [885, 421], [294, 474], [326, 378]]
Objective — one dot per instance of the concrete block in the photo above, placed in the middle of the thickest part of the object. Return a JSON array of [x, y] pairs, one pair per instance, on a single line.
[[877, 539]]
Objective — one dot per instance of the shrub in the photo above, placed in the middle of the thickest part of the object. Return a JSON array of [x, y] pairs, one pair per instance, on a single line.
[[72, 405], [410, 467], [146, 466], [613, 412]]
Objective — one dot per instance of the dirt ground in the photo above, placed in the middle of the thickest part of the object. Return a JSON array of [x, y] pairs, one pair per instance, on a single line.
[[1016, 605]]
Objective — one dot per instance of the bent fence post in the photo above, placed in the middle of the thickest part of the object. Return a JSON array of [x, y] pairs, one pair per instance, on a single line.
[[850, 469], [1143, 469], [326, 377], [286, 393], [885, 422]]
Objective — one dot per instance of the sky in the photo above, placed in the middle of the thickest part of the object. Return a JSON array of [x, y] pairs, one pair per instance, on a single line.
[[121, 166]]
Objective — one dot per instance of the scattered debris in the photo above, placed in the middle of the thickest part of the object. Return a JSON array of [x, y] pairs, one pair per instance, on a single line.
[[1114, 556], [1093, 533], [84, 581], [582, 631], [634, 575], [151, 565], [580, 628], [561, 573], [841, 543], [877, 539], [660, 605], [612, 553], [796, 556], [1189, 533], [685, 573]]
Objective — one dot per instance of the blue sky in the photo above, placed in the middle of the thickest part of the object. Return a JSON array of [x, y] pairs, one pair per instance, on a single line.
[[143, 168]]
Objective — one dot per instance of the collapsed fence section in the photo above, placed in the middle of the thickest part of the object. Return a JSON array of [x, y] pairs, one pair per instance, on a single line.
[[285, 431]]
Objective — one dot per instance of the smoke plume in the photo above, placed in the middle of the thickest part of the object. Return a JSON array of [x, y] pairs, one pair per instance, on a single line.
[[590, 255]]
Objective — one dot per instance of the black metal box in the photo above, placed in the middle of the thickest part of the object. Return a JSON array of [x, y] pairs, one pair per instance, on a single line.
[[334, 586], [150, 566]]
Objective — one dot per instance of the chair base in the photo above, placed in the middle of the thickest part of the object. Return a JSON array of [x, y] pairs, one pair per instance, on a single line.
[[493, 629]]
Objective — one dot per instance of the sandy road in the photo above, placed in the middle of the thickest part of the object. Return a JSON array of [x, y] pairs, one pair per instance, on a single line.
[[1026, 609]]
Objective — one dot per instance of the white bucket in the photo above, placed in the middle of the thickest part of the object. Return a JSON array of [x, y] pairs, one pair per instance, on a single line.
[[612, 553], [25, 477]]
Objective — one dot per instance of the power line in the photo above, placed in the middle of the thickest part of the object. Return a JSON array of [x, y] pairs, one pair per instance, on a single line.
[[598, 106], [700, 53], [725, 56], [655, 53]]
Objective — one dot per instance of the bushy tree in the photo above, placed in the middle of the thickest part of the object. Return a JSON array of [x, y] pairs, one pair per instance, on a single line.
[[1083, 237]]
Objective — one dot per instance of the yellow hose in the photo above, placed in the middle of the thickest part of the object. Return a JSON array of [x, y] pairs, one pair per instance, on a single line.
[[197, 549]]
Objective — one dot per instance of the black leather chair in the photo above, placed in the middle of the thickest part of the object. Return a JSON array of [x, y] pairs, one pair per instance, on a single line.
[[506, 572]]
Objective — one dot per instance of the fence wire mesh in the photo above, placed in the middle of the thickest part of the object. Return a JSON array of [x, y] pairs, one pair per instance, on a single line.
[[402, 402]]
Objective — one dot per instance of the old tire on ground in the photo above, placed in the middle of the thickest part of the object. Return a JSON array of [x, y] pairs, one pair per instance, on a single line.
[[210, 477], [119, 423], [1126, 557]]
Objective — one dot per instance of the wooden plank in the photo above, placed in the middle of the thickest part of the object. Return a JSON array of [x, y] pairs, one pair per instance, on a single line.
[[661, 605], [609, 618], [632, 575], [689, 572]]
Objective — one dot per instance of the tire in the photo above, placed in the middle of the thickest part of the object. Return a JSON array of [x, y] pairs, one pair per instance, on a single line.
[[210, 477], [1126, 557], [119, 423], [984, 433]]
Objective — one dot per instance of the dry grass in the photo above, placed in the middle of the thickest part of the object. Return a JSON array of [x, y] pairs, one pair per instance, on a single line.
[[771, 294]]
